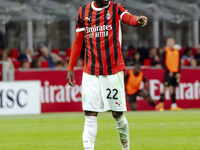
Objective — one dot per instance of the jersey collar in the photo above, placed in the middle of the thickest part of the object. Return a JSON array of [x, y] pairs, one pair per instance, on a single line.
[[99, 9]]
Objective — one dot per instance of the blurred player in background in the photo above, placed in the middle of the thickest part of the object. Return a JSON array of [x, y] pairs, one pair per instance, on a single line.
[[133, 81], [98, 26], [172, 65]]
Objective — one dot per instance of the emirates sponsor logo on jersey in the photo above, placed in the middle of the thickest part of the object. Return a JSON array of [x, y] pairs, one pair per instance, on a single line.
[[98, 28], [98, 31]]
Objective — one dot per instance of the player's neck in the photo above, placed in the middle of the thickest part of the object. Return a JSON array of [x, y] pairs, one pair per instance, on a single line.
[[99, 4], [136, 74], [96, 5]]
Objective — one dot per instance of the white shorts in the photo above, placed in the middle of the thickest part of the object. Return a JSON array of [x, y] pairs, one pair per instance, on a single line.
[[103, 93]]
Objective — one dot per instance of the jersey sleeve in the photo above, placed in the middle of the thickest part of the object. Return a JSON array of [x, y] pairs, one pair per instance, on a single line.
[[76, 50], [122, 11], [79, 22]]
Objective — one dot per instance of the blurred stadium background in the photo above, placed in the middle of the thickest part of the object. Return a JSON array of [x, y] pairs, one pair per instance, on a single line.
[[30, 84], [35, 23], [32, 23]]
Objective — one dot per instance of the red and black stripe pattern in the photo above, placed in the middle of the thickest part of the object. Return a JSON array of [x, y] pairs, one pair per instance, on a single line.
[[101, 27]]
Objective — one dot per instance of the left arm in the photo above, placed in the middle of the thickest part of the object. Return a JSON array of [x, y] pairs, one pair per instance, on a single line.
[[130, 19]]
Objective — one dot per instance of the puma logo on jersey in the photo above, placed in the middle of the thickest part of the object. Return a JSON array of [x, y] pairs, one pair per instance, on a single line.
[[87, 18]]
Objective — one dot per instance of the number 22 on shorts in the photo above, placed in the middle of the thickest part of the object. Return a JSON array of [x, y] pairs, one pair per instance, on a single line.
[[112, 94]]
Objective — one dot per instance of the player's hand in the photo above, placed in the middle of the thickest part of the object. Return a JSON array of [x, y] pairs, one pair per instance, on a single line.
[[178, 76], [142, 20], [146, 92], [71, 78], [171, 74]]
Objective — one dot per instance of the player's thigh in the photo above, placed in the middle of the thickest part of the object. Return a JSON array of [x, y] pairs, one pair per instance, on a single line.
[[132, 101], [113, 91], [91, 113], [167, 80], [132, 98], [174, 81], [117, 114], [143, 93], [91, 94]]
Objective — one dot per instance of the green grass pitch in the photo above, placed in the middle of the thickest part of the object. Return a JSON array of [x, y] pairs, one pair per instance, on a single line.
[[63, 131]]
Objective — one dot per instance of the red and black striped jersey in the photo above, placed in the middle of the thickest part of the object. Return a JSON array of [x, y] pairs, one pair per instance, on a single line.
[[102, 38]]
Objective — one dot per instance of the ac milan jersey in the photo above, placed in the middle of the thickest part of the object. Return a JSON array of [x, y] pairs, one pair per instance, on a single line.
[[102, 38]]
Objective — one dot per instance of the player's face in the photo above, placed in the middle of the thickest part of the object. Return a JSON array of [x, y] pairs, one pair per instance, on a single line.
[[137, 70], [45, 52], [171, 42], [101, 3]]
